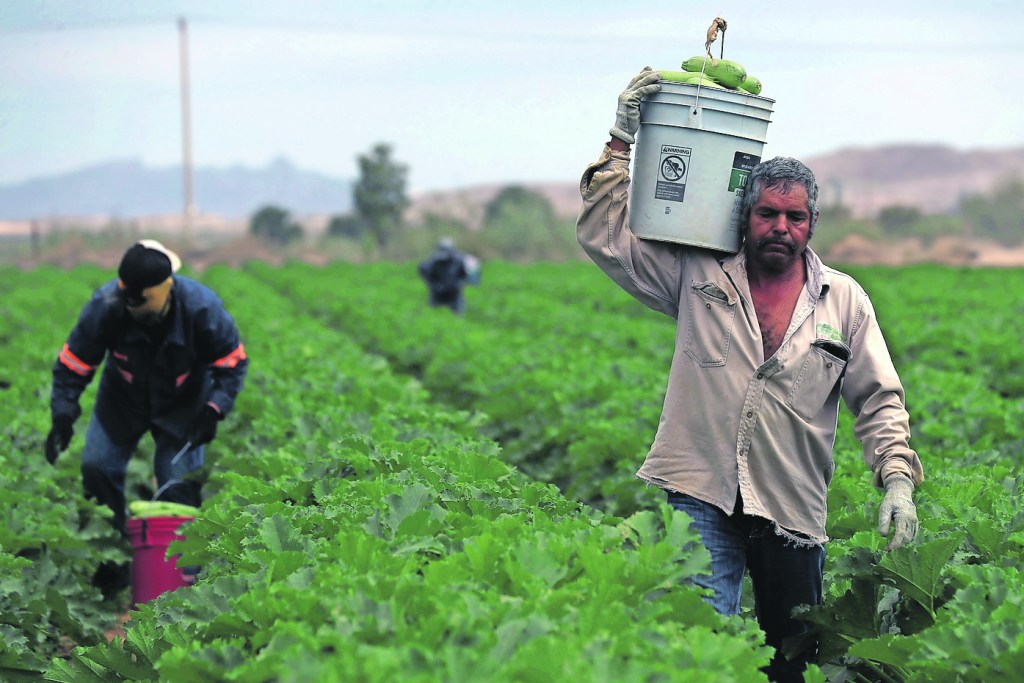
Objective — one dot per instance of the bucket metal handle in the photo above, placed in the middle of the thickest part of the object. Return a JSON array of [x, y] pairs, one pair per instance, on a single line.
[[174, 461], [168, 483], [696, 100], [718, 23], [183, 451]]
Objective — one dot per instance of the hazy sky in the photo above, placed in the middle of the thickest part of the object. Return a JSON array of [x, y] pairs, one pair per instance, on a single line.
[[480, 91]]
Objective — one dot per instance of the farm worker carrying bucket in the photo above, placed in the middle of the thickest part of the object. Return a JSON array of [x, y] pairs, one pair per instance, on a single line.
[[151, 528]]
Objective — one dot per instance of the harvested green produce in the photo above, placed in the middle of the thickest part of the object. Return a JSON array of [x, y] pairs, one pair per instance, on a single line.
[[751, 84], [678, 76], [707, 83], [723, 71], [688, 77], [160, 508]]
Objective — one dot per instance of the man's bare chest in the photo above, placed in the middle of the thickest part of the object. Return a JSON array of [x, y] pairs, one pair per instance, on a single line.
[[774, 315]]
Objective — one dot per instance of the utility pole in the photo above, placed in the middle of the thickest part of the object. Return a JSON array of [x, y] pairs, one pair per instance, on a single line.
[[37, 243], [189, 207]]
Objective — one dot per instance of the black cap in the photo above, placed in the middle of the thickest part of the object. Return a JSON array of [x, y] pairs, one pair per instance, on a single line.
[[147, 263]]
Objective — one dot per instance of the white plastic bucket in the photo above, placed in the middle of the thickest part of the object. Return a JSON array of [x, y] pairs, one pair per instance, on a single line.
[[692, 156]]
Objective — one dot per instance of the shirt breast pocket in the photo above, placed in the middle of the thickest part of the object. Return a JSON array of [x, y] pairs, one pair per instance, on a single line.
[[709, 327], [818, 381]]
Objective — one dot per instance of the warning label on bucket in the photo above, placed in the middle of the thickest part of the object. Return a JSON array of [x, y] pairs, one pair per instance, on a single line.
[[674, 165], [742, 165]]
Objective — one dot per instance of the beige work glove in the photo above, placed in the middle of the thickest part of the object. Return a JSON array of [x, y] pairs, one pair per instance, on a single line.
[[627, 117], [898, 507]]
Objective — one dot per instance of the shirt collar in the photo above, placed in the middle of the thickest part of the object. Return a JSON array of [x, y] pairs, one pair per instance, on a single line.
[[818, 281]]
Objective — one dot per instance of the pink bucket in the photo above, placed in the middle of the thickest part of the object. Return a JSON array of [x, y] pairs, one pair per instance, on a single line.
[[153, 573]]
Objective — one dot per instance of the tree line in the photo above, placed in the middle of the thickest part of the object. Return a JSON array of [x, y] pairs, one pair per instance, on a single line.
[[518, 224]]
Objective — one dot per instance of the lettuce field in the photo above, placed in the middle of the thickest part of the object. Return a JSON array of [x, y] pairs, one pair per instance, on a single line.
[[406, 495]]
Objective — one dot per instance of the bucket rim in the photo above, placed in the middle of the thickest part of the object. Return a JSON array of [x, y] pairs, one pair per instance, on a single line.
[[709, 92]]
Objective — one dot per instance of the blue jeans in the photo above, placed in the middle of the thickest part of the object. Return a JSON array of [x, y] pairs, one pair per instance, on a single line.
[[783, 573], [105, 463]]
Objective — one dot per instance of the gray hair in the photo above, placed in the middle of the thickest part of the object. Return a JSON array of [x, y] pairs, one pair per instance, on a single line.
[[780, 172]]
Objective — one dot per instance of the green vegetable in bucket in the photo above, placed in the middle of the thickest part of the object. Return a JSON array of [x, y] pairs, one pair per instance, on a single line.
[[751, 84], [677, 76], [689, 77], [723, 71]]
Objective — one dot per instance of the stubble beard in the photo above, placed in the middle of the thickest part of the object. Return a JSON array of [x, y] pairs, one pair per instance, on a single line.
[[773, 260]]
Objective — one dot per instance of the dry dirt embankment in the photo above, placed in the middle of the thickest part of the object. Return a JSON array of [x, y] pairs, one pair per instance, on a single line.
[[952, 251]]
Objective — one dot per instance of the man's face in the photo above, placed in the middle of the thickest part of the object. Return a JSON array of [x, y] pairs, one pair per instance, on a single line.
[[149, 306], [779, 229]]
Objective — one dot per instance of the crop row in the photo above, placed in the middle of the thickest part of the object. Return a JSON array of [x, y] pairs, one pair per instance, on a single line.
[[356, 530]]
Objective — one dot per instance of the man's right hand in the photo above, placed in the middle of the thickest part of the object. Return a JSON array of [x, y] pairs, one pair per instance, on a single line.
[[627, 116], [59, 437], [898, 510]]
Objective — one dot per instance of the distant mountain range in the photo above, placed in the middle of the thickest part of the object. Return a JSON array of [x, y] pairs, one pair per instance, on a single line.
[[127, 189], [932, 178]]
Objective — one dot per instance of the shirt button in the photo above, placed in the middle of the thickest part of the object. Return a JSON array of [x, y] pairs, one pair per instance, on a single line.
[[750, 414], [760, 376], [828, 365], [708, 305]]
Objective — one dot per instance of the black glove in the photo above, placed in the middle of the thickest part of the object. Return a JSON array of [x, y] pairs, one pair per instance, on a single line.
[[59, 437], [204, 426]]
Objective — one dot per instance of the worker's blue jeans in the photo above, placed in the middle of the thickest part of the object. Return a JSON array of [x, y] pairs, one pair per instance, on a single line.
[[105, 463], [784, 572]]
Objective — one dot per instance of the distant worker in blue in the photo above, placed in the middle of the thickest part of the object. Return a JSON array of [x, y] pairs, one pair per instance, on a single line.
[[447, 271], [174, 364]]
